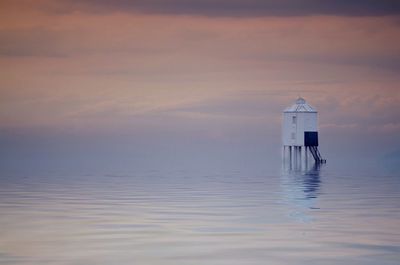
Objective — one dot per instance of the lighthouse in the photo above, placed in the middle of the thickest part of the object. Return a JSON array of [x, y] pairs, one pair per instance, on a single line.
[[300, 133]]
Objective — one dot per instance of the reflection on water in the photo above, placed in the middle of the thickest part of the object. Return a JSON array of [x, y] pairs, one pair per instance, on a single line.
[[301, 189], [312, 182], [308, 181], [310, 216]]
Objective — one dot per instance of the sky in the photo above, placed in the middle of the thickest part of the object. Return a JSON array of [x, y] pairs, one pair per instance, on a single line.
[[194, 83]]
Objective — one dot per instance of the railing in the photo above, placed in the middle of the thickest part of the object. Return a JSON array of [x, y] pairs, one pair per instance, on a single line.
[[316, 154]]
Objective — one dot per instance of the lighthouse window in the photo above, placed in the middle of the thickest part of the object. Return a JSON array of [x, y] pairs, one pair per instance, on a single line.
[[293, 136], [294, 119]]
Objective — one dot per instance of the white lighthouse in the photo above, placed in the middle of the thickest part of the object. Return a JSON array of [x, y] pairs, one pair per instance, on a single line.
[[300, 133]]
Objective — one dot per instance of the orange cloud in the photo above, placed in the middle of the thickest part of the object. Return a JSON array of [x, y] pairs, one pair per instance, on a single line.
[[62, 69]]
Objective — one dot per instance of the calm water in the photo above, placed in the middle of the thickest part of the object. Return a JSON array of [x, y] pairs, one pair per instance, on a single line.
[[182, 217]]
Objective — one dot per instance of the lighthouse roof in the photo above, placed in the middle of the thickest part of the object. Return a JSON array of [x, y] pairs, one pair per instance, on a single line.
[[300, 106]]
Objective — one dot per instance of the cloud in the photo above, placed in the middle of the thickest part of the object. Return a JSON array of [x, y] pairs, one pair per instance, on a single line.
[[33, 42], [108, 67], [393, 127], [221, 44], [234, 8]]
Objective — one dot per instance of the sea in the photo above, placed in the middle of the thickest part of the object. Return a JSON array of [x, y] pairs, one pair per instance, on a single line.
[[320, 214]]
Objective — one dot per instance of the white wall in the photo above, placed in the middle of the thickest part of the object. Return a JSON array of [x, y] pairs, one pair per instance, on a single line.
[[305, 121]]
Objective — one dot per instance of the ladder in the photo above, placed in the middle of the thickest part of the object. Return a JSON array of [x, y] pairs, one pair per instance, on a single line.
[[316, 154]]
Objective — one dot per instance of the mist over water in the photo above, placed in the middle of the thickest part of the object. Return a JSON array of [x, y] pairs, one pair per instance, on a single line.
[[222, 215]]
